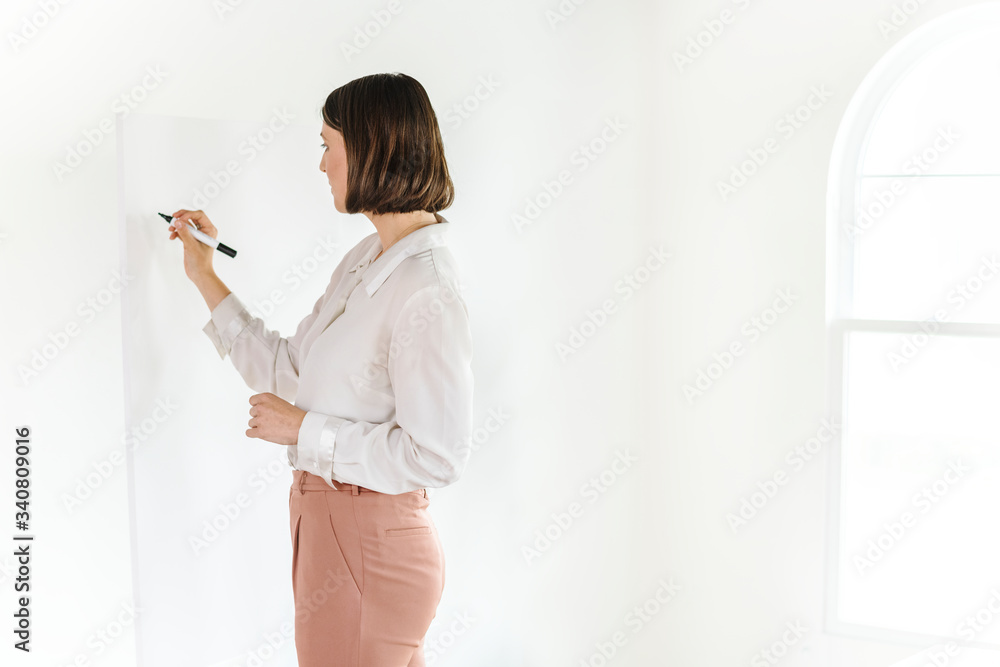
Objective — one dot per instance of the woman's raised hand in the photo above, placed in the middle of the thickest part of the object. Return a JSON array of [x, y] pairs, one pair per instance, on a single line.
[[197, 255]]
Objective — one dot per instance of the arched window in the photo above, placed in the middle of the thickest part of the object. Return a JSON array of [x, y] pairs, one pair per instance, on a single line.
[[913, 322]]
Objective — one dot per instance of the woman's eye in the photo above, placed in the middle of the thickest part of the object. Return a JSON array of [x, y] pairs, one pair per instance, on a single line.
[[323, 146]]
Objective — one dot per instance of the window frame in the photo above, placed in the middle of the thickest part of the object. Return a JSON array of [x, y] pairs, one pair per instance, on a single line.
[[843, 186]]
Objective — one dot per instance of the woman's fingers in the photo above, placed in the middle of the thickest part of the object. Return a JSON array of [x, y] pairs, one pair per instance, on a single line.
[[197, 256], [199, 219], [184, 214]]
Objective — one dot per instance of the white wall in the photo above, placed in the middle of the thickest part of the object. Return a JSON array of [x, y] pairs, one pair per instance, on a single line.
[[682, 131]]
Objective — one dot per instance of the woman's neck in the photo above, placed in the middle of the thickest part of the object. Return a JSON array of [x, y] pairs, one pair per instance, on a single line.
[[391, 227]]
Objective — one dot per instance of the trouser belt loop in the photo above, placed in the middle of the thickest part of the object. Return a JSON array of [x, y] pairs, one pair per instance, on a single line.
[[302, 481], [354, 490]]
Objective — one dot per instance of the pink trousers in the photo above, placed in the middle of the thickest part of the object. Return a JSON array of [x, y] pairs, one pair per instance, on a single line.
[[367, 574]]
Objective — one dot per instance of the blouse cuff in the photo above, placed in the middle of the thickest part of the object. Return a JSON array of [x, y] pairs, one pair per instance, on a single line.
[[317, 436], [228, 319]]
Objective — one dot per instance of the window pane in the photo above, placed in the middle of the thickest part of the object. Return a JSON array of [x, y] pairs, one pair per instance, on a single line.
[[928, 248], [953, 86], [920, 537]]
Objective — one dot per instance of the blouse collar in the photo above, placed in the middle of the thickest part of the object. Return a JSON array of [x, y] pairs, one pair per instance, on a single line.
[[419, 240]]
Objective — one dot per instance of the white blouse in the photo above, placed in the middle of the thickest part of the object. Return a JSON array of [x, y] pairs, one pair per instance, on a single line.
[[384, 372]]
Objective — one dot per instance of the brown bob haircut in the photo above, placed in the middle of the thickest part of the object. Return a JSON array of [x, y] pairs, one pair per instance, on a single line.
[[395, 155]]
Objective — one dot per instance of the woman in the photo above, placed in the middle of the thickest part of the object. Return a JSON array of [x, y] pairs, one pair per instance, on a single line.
[[373, 394]]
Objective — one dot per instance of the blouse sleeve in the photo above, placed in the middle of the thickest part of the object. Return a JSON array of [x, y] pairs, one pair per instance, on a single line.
[[427, 444], [266, 361]]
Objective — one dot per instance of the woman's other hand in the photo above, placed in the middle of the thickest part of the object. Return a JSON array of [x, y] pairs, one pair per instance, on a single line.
[[274, 419], [197, 255]]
